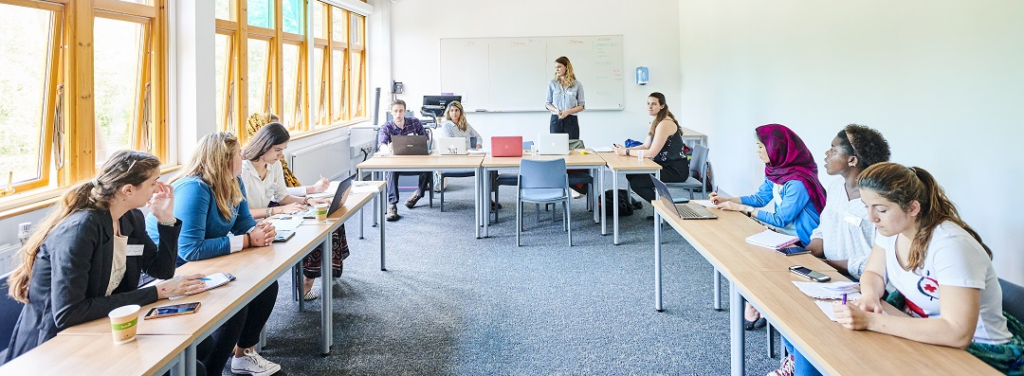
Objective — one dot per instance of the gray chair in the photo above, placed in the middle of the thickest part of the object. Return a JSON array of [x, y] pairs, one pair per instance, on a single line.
[[543, 182], [698, 167], [10, 309], [505, 179], [1013, 298]]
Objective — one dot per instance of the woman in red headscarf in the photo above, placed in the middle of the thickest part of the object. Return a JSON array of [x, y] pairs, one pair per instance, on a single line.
[[790, 199]]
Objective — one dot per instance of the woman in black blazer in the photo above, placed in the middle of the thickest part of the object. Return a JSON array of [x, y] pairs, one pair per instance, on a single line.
[[77, 266]]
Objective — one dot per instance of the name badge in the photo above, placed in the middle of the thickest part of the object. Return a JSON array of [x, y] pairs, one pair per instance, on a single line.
[[853, 220], [135, 249]]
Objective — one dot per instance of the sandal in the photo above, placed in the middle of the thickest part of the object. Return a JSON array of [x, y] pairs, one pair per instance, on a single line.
[[311, 295]]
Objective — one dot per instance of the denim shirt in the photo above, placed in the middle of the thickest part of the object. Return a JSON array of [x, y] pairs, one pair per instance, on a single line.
[[564, 99]]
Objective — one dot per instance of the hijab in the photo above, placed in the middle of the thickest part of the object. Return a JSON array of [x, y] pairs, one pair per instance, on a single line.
[[789, 159]]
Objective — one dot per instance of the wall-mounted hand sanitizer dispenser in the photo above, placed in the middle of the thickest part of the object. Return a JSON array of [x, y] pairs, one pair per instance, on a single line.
[[642, 75]]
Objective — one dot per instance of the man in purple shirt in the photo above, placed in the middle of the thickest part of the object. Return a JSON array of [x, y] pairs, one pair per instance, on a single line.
[[401, 126]]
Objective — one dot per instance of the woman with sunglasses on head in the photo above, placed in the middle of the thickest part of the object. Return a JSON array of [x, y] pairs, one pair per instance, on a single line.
[[216, 222], [86, 258], [926, 251]]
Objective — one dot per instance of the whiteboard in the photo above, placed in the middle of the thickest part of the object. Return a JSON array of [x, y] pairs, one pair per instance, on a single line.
[[512, 74]]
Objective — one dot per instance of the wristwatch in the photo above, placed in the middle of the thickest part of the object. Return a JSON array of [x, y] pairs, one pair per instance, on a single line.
[[627, 152], [749, 210]]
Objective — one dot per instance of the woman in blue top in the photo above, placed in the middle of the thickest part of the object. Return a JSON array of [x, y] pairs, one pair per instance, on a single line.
[[565, 99], [791, 198], [216, 222]]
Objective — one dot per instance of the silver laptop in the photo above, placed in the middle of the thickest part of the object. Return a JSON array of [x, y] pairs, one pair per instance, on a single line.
[[553, 143], [451, 145], [341, 191], [409, 145], [685, 211]]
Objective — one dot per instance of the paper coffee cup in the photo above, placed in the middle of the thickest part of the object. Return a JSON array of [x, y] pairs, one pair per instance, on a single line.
[[320, 209], [124, 323]]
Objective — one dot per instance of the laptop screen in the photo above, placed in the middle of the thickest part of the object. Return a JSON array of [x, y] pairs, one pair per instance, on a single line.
[[663, 195]]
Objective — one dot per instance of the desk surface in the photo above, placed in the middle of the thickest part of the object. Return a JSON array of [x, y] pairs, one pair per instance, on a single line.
[[626, 163], [573, 159], [763, 277], [428, 162], [839, 351], [98, 355], [692, 133], [253, 268]]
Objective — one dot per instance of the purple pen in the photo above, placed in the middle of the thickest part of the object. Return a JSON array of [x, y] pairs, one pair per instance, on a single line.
[[844, 299]]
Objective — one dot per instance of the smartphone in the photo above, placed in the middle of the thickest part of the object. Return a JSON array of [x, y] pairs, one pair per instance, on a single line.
[[809, 274], [173, 310], [790, 251], [283, 236]]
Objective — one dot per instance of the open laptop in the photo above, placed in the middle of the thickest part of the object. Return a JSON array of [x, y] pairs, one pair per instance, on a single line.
[[409, 145], [685, 211], [553, 143], [340, 195], [451, 145], [507, 146]]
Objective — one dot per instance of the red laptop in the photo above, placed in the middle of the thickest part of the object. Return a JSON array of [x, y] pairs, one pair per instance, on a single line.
[[507, 146]]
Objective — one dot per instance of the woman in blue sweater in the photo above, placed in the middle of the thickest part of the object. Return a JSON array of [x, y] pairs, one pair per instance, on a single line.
[[216, 222], [791, 198]]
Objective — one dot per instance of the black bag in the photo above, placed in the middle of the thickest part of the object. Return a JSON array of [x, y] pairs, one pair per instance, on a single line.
[[625, 206]]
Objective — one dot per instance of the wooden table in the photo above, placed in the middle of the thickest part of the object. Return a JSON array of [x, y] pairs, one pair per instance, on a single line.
[[574, 160], [429, 163], [762, 276], [98, 355], [254, 269], [623, 164], [692, 135]]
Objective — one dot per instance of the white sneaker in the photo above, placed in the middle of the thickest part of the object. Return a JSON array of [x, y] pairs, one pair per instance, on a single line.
[[786, 368], [253, 364]]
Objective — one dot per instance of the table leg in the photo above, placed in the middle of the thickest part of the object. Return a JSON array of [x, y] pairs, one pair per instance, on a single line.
[[604, 208], [326, 297], [736, 329], [487, 206], [359, 177], [382, 267], [657, 262], [615, 208], [592, 195], [382, 199], [190, 359], [718, 290], [476, 191]]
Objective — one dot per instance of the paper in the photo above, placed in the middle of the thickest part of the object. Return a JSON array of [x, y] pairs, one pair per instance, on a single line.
[[819, 291], [287, 224], [603, 149], [364, 188], [329, 192], [826, 307], [477, 152], [705, 203], [772, 240]]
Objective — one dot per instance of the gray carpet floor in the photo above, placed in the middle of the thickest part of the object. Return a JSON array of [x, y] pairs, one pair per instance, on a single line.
[[451, 304]]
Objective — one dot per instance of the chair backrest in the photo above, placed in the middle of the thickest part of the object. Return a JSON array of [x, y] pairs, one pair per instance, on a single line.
[[543, 174], [10, 309], [1013, 298], [697, 160]]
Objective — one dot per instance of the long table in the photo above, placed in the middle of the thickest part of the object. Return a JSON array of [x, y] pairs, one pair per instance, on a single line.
[[575, 160], [255, 269], [761, 275], [429, 163], [97, 354]]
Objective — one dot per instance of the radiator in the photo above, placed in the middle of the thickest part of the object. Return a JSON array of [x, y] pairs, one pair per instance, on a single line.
[[329, 158], [8, 258]]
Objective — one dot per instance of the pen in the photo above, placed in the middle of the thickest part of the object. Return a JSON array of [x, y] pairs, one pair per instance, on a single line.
[[844, 299], [204, 279]]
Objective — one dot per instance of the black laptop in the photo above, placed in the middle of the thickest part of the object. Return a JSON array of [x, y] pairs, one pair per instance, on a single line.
[[685, 211], [340, 195], [409, 145]]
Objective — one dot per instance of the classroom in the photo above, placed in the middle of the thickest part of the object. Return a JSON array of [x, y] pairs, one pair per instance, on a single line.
[[439, 277]]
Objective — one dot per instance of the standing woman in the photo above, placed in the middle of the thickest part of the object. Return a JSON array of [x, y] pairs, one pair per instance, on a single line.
[[264, 178], [664, 146], [86, 258], [216, 222], [565, 99]]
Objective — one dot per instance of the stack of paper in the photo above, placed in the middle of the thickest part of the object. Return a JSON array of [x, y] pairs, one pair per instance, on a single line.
[[834, 290], [826, 307], [772, 240]]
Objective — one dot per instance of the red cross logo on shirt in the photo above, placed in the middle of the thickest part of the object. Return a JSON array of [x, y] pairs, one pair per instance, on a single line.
[[929, 287]]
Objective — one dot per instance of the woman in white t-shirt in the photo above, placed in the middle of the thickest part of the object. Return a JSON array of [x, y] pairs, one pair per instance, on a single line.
[[926, 251]]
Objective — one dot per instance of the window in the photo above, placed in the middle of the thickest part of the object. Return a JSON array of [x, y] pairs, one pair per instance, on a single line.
[[225, 81], [292, 67], [259, 77], [68, 107]]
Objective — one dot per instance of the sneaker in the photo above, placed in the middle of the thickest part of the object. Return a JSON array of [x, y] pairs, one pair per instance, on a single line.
[[411, 202], [786, 368], [253, 364], [392, 214]]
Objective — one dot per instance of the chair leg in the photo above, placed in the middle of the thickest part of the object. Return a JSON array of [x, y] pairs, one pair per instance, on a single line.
[[442, 194], [495, 208], [565, 214], [771, 341], [431, 196], [519, 219], [536, 209], [568, 220]]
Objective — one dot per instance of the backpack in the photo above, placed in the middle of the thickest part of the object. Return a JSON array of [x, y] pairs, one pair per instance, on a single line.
[[625, 206]]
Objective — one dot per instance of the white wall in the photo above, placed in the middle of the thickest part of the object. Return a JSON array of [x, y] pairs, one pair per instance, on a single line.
[[942, 80], [650, 37]]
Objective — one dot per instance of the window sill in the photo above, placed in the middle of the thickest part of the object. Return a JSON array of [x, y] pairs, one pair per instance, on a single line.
[[332, 127], [45, 197]]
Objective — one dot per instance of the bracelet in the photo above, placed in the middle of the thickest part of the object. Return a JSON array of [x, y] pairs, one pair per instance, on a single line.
[[169, 224], [248, 236]]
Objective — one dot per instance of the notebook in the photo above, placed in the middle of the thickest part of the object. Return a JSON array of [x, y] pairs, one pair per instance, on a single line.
[[772, 240]]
